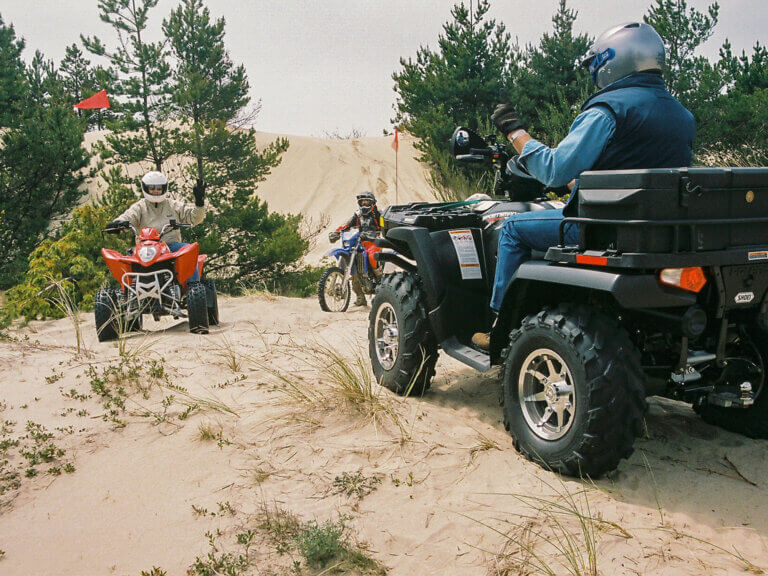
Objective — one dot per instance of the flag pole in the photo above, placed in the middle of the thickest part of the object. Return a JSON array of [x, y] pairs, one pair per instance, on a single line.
[[396, 146]]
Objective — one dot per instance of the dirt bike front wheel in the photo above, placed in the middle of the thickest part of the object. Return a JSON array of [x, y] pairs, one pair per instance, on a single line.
[[332, 292]]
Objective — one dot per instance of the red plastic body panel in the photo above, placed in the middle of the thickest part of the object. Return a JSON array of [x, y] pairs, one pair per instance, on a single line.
[[186, 262], [117, 263], [201, 258], [149, 234], [371, 249]]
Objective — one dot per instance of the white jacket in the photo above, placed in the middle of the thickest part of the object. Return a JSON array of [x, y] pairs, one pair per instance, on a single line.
[[144, 214]]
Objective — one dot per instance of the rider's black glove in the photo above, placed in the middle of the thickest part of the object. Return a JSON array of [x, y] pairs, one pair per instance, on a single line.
[[199, 192], [506, 119], [333, 236], [117, 225]]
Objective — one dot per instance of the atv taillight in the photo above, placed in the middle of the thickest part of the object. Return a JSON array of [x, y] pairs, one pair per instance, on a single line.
[[691, 279]]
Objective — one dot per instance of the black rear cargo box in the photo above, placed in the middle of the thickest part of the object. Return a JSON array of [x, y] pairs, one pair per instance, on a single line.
[[674, 210]]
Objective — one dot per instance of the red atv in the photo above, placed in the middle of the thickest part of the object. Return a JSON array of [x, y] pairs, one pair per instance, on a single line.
[[154, 280]]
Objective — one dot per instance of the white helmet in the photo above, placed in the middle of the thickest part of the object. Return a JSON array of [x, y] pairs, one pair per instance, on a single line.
[[155, 186], [623, 50]]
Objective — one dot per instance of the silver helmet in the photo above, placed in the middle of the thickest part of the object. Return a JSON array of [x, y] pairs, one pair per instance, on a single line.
[[623, 50]]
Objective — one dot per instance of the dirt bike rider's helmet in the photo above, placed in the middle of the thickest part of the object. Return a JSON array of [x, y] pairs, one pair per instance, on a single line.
[[366, 201], [623, 50], [155, 186]]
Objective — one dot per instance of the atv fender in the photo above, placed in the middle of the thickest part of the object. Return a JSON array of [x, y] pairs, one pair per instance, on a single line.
[[185, 262], [201, 258], [422, 250], [537, 277]]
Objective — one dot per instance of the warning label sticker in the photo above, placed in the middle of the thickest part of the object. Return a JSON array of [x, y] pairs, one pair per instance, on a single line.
[[469, 263], [760, 255]]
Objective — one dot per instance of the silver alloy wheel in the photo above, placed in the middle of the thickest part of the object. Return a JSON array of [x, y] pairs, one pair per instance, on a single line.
[[336, 292], [546, 393], [386, 335]]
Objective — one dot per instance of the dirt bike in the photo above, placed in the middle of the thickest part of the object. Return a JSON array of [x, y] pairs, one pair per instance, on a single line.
[[333, 289], [154, 280]]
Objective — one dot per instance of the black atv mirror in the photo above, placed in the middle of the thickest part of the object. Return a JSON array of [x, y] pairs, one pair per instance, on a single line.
[[468, 146]]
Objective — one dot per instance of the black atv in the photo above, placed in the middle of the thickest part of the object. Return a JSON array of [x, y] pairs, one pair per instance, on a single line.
[[664, 294]]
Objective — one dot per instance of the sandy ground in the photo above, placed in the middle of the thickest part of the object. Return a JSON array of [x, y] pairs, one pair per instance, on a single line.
[[451, 492]]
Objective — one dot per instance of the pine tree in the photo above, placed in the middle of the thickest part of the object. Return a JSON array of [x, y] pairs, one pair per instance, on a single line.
[[548, 86], [141, 132], [691, 78], [42, 160], [459, 84], [13, 86], [243, 240]]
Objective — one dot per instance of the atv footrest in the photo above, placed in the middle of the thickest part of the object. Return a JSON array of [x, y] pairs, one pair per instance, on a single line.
[[480, 361]]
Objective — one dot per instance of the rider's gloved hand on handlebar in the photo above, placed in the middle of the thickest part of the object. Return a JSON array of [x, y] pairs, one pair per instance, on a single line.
[[199, 192], [506, 118], [333, 236], [117, 225]]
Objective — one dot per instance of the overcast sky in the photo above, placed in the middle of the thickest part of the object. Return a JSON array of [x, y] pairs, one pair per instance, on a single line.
[[326, 65]]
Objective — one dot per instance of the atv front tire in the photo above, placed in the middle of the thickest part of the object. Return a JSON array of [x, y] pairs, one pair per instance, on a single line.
[[332, 296], [402, 348], [212, 302], [574, 395], [105, 313], [197, 308]]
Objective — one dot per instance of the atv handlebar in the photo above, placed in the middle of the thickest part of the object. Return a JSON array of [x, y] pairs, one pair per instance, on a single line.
[[172, 225]]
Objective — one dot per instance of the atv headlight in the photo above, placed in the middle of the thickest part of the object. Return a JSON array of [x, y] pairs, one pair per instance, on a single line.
[[147, 253]]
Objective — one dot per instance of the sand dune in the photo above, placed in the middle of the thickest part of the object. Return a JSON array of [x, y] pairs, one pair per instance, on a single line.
[[449, 481], [320, 177]]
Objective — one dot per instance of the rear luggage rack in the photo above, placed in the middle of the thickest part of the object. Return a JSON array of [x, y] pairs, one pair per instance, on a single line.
[[684, 246]]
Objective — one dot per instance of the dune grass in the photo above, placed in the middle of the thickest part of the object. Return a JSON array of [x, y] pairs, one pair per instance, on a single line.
[[336, 381]]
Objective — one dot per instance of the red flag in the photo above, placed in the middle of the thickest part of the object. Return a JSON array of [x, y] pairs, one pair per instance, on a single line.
[[395, 143], [98, 100]]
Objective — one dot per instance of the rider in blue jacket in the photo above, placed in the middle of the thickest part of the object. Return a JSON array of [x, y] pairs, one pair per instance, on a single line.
[[631, 122]]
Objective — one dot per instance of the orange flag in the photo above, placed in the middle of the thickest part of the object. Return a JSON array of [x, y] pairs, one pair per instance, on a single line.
[[98, 100], [395, 143]]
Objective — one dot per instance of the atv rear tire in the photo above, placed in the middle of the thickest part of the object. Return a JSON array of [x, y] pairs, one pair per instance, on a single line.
[[105, 313], [197, 308], [326, 287], [212, 302], [402, 348], [584, 420]]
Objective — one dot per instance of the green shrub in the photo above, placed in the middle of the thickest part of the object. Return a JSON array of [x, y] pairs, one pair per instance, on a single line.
[[319, 543], [73, 257]]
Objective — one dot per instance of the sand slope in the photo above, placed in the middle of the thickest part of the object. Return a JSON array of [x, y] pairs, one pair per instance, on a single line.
[[450, 480]]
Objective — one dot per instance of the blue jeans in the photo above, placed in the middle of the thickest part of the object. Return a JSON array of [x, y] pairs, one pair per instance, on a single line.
[[520, 234], [175, 247]]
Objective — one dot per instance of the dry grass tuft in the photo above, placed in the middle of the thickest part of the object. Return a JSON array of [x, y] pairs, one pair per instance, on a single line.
[[484, 444], [560, 536], [229, 354], [337, 382]]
